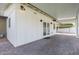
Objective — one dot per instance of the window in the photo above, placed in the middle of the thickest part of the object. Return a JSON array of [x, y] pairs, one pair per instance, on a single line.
[[9, 23], [48, 28]]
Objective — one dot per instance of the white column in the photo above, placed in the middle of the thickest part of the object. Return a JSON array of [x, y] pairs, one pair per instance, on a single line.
[[77, 24]]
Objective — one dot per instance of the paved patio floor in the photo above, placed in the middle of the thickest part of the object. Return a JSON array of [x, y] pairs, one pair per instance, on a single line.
[[55, 45]]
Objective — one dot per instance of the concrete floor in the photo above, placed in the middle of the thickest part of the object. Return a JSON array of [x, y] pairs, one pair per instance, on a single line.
[[55, 45]]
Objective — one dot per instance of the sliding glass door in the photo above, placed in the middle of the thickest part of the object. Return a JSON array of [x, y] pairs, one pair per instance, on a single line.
[[46, 28]]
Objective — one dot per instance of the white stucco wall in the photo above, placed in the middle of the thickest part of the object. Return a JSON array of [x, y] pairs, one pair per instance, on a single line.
[[26, 25], [29, 27], [11, 32]]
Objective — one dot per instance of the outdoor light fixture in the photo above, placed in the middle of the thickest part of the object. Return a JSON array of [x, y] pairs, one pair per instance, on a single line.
[[41, 20], [51, 23], [22, 8], [54, 20]]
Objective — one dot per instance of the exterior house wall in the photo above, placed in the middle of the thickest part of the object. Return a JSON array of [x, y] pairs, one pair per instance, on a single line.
[[11, 31], [26, 26]]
